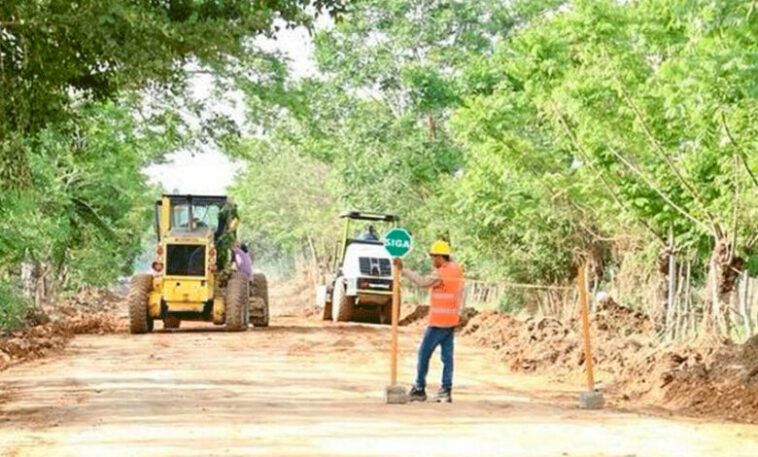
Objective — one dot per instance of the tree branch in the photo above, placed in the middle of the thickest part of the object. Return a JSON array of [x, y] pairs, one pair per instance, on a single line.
[[586, 158], [662, 154], [738, 149], [751, 240], [86, 208], [655, 188], [735, 205]]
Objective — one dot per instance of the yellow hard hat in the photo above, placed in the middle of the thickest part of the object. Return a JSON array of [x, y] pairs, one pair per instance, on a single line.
[[440, 247]]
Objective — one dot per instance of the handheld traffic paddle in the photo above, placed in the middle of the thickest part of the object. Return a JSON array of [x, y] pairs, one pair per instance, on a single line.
[[592, 399], [398, 243]]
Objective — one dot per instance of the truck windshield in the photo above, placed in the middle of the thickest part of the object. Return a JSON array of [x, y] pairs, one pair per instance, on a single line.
[[202, 216]]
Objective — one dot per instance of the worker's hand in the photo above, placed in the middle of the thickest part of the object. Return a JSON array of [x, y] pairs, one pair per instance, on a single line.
[[398, 263]]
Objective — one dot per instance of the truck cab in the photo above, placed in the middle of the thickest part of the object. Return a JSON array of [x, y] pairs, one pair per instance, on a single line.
[[363, 276]]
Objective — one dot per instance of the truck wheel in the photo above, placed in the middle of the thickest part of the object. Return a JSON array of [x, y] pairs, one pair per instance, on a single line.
[[260, 317], [139, 294], [345, 305], [236, 303], [385, 314], [327, 311]]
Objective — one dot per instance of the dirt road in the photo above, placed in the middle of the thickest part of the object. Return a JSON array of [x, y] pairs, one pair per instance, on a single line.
[[303, 389]]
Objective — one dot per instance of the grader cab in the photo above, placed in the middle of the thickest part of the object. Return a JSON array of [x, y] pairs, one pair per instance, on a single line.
[[193, 277]]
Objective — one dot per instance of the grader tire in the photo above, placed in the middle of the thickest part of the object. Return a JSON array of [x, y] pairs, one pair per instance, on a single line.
[[260, 287], [236, 299], [259, 291], [261, 321], [346, 308], [139, 294]]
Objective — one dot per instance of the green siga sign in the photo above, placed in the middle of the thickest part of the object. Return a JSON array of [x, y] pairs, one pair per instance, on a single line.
[[398, 242]]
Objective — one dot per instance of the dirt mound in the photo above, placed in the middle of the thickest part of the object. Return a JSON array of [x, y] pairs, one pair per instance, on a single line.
[[526, 345], [96, 311], [702, 380], [416, 316], [716, 380], [619, 335], [32, 343], [609, 316], [89, 312]]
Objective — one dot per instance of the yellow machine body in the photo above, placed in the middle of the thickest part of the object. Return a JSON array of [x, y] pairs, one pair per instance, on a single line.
[[192, 296]]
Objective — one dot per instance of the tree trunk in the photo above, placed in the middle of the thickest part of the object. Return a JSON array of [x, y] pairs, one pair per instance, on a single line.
[[432, 133], [28, 282], [711, 304], [659, 309], [671, 286], [745, 305], [723, 270], [43, 284]]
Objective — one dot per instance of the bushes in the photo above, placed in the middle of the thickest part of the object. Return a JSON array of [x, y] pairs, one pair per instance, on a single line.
[[14, 307]]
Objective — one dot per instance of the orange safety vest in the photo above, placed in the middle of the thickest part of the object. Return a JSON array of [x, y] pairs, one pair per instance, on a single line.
[[446, 297]]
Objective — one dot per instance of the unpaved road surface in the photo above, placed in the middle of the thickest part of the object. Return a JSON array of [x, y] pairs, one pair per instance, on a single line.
[[300, 388]]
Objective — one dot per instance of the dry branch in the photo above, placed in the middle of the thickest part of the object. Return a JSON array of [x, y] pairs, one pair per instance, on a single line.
[[586, 158], [738, 149], [662, 154], [655, 188]]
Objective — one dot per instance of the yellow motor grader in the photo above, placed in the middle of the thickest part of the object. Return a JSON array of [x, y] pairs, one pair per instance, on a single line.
[[193, 276]]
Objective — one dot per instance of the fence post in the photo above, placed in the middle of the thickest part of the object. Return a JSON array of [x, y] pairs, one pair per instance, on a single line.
[[591, 399], [672, 285], [689, 318], [744, 305]]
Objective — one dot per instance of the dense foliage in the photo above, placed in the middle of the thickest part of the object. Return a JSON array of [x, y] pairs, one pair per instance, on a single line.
[[537, 134], [90, 93], [375, 120]]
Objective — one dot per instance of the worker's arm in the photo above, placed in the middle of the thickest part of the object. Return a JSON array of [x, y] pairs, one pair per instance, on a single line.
[[430, 280]]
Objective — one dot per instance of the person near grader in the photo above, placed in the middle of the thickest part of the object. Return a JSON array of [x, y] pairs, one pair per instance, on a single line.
[[242, 261], [445, 284]]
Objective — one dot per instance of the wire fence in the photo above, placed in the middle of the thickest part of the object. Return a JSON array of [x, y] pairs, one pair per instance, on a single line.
[[676, 315], [506, 296]]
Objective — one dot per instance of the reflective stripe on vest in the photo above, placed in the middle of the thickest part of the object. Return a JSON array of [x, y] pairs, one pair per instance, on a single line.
[[446, 297]]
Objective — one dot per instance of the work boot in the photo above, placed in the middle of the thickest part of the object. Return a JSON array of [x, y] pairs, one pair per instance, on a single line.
[[416, 394], [444, 396]]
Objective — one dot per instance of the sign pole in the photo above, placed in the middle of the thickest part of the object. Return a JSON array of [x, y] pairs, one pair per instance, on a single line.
[[592, 399], [395, 319], [398, 243], [586, 331]]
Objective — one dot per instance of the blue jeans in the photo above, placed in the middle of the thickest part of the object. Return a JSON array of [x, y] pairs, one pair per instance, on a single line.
[[433, 337]]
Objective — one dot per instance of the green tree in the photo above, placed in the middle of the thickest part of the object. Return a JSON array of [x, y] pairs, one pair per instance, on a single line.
[[375, 117], [81, 219], [54, 54], [74, 135], [634, 100]]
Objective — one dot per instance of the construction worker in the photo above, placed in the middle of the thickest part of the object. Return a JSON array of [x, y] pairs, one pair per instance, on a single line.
[[369, 235], [242, 261], [445, 302]]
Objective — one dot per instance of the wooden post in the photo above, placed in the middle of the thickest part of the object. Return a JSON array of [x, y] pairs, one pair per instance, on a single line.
[[395, 319], [672, 286], [586, 330], [745, 306], [689, 312]]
